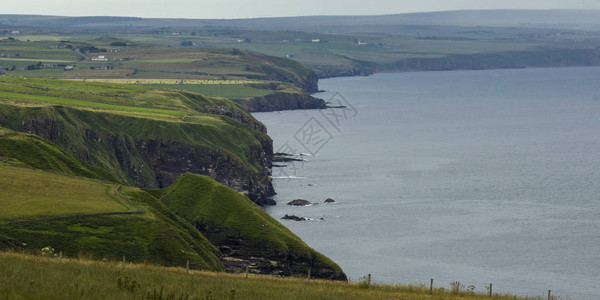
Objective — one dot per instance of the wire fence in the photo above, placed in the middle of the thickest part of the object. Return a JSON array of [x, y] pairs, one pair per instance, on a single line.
[[499, 287]]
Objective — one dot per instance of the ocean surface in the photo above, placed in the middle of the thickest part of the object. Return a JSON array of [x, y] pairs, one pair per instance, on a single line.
[[472, 176]]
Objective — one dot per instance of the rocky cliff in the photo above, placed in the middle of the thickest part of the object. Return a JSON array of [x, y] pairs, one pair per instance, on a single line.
[[537, 58], [283, 101]]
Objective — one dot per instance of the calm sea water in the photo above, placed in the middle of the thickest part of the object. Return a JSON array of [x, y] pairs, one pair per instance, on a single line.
[[471, 176]]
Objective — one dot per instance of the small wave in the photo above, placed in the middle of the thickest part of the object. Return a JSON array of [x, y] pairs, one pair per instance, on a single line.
[[289, 177], [305, 154]]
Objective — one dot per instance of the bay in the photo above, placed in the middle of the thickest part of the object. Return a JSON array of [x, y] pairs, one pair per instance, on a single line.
[[471, 176]]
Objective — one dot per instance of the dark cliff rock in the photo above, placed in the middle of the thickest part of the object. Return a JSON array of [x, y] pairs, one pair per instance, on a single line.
[[47, 128], [299, 202], [294, 218], [283, 101], [239, 253], [236, 115], [170, 159], [329, 200]]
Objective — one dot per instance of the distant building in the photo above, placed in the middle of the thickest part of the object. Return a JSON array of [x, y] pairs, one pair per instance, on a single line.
[[15, 32], [100, 58], [316, 40], [70, 68], [289, 55]]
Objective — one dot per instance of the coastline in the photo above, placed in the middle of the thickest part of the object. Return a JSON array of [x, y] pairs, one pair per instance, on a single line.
[[543, 58]]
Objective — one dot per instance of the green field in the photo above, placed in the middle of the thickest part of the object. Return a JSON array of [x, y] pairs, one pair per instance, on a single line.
[[87, 104], [29, 194], [230, 91], [36, 277]]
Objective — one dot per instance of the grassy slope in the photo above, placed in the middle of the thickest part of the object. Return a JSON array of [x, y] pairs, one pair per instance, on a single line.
[[32, 151], [29, 193], [198, 199], [33, 194], [158, 236], [35, 277]]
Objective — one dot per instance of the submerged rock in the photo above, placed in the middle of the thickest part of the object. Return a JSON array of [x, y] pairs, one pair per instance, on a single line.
[[299, 202], [329, 200]]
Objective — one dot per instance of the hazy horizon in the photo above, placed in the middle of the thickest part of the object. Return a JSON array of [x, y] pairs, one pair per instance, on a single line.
[[234, 9]]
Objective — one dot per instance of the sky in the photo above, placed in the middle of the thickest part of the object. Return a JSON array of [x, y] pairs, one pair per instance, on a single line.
[[219, 9]]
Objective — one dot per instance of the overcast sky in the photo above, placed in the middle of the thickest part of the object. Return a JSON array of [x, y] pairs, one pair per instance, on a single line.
[[216, 9]]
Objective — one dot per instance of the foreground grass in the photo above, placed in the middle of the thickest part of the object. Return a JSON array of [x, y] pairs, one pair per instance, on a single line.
[[35, 277]]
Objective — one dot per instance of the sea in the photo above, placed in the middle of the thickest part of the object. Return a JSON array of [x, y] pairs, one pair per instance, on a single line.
[[470, 177]]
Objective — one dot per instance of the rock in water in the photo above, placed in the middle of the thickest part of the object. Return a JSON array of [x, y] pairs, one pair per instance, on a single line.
[[329, 200], [294, 218], [299, 202]]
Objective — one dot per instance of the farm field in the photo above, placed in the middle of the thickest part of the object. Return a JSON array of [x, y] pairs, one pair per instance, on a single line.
[[172, 81]]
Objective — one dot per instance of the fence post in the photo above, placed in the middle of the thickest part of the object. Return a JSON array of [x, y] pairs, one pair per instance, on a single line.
[[431, 287], [308, 274], [123, 262], [549, 295], [491, 289], [187, 267], [60, 257], [246, 272]]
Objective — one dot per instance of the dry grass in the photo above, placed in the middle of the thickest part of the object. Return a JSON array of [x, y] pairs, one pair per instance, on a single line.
[[36, 277]]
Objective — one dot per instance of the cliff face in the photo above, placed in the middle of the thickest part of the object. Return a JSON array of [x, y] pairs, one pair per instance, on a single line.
[[503, 60], [239, 253], [170, 159], [283, 101], [153, 159]]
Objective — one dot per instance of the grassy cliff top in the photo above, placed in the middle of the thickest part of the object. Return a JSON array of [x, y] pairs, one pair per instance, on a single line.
[[134, 100], [142, 112]]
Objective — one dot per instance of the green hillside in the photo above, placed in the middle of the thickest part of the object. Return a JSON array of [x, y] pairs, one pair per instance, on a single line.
[[232, 222], [97, 223], [60, 181], [143, 136], [94, 223]]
